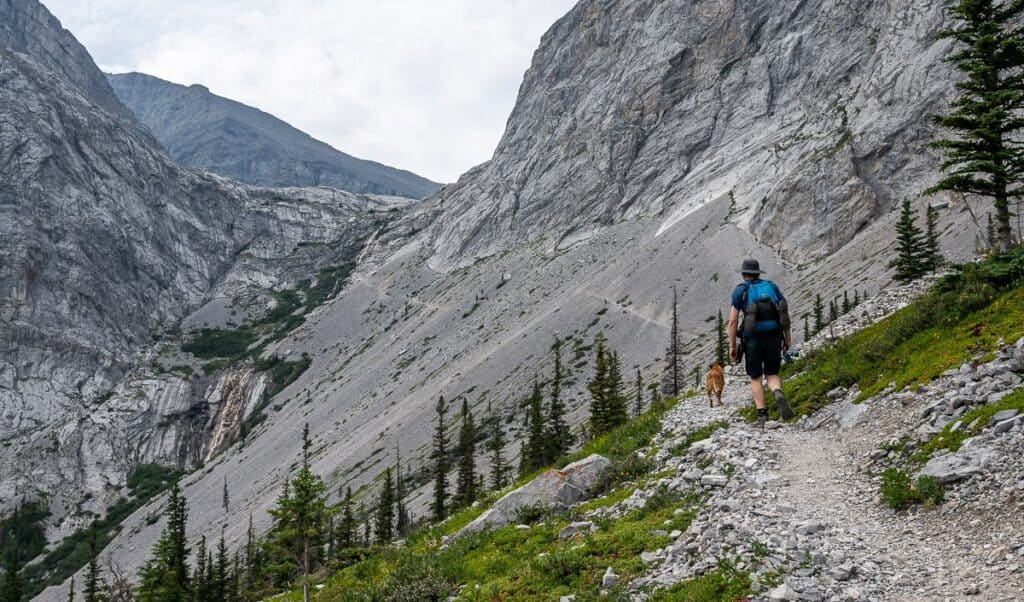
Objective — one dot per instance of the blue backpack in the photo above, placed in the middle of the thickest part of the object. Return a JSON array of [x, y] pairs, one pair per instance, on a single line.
[[763, 311]]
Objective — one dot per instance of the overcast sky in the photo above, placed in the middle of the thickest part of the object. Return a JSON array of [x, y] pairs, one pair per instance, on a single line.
[[424, 85]]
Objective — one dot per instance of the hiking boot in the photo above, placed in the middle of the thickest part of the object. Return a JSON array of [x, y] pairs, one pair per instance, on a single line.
[[785, 412], [762, 417]]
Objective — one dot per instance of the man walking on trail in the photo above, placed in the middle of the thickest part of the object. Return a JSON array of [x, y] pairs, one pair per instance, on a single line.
[[765, 334]]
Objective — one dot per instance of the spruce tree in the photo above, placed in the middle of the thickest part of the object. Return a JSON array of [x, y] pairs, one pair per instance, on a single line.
[[165, 578], [560, 437], [819, 318], [598, 387], [696, 378], [833, 312], [673, 369], [10, 590], [990, 234], [365, 518], [200, 580], [910, 245], [385, 510], [465, 482], [496, 446], [932, 250], [347, 527], [856, 297], [986, 158], [401, 512], [221, 580], [618, 412], [846, 302], [534, 452], [807, 329], [721, 342], [638, 400], [95, 586], [71, 590], [224, 498], [440, 457], [299, 520]]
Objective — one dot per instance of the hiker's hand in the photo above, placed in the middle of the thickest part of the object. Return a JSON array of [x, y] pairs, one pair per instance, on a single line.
[[732, 350], [787, 342]]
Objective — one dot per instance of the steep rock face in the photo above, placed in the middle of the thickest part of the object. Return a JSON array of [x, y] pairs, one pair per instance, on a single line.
[[237, 141], [809, 115], [106, 241]]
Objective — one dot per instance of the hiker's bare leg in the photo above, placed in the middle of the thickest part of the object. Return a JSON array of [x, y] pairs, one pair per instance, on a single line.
[[774, 383], [757, 389]]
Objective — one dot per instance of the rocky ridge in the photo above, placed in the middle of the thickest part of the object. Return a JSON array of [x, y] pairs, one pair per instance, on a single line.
[[210, 132]]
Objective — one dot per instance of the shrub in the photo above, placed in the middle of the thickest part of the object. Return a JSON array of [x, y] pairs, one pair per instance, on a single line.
[[622, 469], [898, 491]]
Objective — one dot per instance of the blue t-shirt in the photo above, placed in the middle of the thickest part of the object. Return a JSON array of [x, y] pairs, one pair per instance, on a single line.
[[737, 294]]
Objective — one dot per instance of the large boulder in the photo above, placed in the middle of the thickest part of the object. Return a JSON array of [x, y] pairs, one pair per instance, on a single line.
[[959, 465], [551, 489]]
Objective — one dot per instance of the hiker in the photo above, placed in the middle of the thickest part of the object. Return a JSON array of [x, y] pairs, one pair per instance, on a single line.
[[764, 333]]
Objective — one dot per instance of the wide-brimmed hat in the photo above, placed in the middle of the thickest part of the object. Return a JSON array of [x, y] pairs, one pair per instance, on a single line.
[[751, 266]]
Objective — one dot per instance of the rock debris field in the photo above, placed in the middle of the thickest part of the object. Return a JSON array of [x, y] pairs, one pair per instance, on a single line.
[[798, 506]]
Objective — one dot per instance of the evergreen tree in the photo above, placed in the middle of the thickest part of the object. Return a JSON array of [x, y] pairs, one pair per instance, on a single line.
[[673, 370], [819, 318], [364, 517], [347, 527], [638, 401], [987, 156], [910, 244], [385, 510], [990, 234], [224, 499], [401, 513], [696, 377], [10, 590], [496, 445], [598, 387], [856, 297], [465, 482], [165, 578], [932, 250], [833, 312], [807, 329], [618, 411], [200, 580], [243, 431], [846, 302], [440, 457], [560, 437], [71, 590], [534, 452], [299, 519], [721, 342], [95, 586], [220, 582]]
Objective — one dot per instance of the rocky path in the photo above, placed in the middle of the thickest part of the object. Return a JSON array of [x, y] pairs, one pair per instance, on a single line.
[[803, 493]]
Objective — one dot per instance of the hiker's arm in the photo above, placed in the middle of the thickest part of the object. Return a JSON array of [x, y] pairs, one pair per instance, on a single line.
[[734, 321]]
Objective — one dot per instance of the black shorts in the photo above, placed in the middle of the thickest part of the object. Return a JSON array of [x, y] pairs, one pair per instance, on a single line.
[[763, 354]]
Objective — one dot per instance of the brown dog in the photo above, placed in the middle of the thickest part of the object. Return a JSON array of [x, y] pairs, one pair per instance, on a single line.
[[716, 383]]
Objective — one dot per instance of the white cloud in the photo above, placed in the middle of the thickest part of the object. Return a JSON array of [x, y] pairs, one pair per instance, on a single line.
[[425, 86]]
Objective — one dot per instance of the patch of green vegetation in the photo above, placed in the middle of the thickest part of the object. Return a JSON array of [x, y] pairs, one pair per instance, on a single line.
[[281, 373], [210, 343], [964, 315], [724, 584], [899, 491], [949, 440], [184, 370], [72, 553], [698, 435], [517, 564], [22, 535]]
